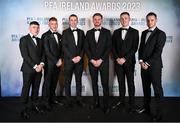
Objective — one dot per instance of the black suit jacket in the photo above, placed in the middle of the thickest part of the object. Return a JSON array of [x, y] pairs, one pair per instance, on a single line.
[[125, 48], [52, 49], [32, 54], [101, 49], [151, 51], [69, 47]]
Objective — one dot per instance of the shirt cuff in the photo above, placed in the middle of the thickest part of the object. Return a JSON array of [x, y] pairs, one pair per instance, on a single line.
[[147, 64], [42, 63], [35, 66], [140, 61]]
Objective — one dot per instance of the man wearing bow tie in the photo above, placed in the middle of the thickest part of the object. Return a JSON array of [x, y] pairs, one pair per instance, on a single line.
[[31, 48], [125, 44], [53, 58], [150, 50], [73, 48], [98, 46]]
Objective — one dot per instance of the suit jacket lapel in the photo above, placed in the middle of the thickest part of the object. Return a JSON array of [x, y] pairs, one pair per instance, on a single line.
[[31, 40], [127, 33], [72, 39], [152, 34]]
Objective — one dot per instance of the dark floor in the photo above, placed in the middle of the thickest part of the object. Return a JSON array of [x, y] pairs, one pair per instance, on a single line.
[[10, 108]]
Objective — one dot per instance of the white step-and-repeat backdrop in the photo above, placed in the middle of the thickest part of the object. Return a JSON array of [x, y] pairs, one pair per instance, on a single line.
[[17, 14]]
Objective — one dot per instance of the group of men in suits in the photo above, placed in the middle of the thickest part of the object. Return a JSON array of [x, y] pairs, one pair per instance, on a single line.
[[48, 53]]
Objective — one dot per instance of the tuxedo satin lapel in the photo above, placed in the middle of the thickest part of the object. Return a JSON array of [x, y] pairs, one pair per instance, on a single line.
[[79, 35], [31, 40], [127, 34], [72, 37], [120, 35]]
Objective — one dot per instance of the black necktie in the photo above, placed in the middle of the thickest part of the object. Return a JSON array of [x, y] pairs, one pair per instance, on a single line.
[[74, 30]]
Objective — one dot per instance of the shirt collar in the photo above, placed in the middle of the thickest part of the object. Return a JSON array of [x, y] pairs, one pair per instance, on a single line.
[[53, 31], [73, 28], [31, 35], [126, 27], [98, 27], [152, 29]]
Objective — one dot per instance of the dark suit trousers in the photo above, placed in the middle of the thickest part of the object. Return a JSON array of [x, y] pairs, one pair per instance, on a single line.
[[104, 74], [50, 82], [30, 80], [77, 69], [152, 76], [122, 71]]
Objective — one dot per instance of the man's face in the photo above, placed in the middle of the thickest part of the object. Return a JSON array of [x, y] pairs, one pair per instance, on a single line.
[[53, 25], [97, 20], [34, 29], [151, 21], [73, 21], [124, 20]]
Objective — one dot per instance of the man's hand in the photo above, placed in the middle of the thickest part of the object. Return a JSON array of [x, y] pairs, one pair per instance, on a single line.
[[59, 63], [76, 59], [144, 66], [93, 62], [121, 61], [99, 62]]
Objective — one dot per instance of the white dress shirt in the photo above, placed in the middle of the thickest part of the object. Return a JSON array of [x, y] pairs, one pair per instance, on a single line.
[[96, 34], [55, 36], [124, 32], [75, 35]]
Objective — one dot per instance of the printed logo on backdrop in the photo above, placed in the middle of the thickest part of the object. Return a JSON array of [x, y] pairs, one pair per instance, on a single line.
[[41, 20], [16, 37], [65, 22], [90, 5], [169, 39]]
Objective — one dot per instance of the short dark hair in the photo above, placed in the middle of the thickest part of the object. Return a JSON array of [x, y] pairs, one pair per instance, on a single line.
[[33, 23], [98, 14], [151, 14], [125, 13], [73, 15], [52, 19]]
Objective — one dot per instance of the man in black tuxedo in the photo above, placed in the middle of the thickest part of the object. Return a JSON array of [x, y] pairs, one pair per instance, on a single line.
[[150, 50], [53, 61], [125, 43], [31, 49], [98, 46], [73, 48]]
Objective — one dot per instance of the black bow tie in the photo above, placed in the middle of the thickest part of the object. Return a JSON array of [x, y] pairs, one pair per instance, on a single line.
[[55, 33], [150, 31], [97, 29], [74, 30], [34, 37], [124, 29]]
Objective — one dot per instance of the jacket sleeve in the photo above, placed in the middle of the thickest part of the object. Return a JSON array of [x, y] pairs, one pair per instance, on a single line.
[[158, 48]]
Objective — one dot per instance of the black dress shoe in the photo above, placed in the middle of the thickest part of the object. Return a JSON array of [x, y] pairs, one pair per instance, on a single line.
[[95, 105], [143, 110], [156, 118], [37, 109], [25, 115], [118, 105], [106, 110], [80, 103], [57, 102]]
